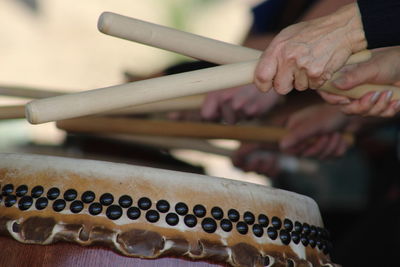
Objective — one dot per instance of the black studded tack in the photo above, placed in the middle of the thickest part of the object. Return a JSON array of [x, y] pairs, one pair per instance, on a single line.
[[319, 243], [249, 218], [306, 228], [181, 208], [37, 191], [199, 210], [114, 212], [298, 227], [263, 220], [95, 208], [125, 201], [289, 263], [267, 261], [190, 220], [312, 242], [276, 222], [88, 197], [59, 205], [313, 231], [217, 213], [242, 228], [76, 206], [233, 215], [320, 232], [133, 213], [209, 225], [41, 203], [295, 237], [272, 233], [25, 203], [70, 194], [226, 225], [284, 235], [258, 230], [53, 193], [162, 206], [106, 199], [288, 224], [172, 219], [152, 216], [144, 203], [21, 190], [286, 230], [10, 201], [304, 240], [7, 189]]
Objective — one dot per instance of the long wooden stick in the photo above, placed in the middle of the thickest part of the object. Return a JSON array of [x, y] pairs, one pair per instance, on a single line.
[[12, 112], [175, 104], [162, 88], [175, 129], [169, 39], [184, 43], [27, 92]]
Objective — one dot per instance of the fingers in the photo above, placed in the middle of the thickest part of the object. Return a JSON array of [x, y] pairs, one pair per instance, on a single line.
[[265, 72], [298, 133], [357, 74], [377, 104], [334, 99], [317, 147], [300, 80], [210, 107]]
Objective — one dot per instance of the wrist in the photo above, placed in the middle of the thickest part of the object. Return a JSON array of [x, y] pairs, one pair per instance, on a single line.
[[349, 17]]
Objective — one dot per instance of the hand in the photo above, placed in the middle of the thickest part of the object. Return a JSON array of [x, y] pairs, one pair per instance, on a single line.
[[316, 132], [234, 104], [382, 68], [257, 158], [306, 55]]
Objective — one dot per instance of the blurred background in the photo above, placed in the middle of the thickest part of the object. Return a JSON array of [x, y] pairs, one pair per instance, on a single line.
[[55, 45]]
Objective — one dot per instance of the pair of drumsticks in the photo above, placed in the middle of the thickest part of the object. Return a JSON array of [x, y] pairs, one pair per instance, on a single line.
[[238, 70]]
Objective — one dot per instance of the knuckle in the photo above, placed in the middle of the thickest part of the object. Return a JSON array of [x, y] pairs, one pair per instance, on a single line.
[[261, 77]]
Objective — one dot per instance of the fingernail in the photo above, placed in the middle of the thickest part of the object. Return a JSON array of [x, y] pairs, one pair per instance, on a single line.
[[389, 95], [339, 82], [344, 101], [375, 97]]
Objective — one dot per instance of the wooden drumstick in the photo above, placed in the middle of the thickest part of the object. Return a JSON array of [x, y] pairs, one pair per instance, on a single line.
[[12, 112], [184, 43], [27, 92], [170, 39], [161, 88], [175, 104], [176, 129]]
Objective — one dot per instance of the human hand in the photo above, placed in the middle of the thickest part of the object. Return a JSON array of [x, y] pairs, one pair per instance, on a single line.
[[234, 104], [257, 158], [316, 132], [305, 55], [382, 68]]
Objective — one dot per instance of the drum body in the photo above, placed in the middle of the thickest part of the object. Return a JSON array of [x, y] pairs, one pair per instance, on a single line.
[[150, 213]]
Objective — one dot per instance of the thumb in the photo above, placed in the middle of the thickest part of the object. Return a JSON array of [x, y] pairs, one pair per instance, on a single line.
[[355, 75]]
